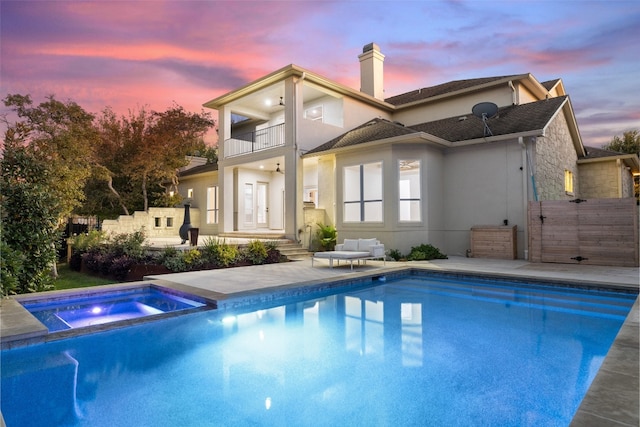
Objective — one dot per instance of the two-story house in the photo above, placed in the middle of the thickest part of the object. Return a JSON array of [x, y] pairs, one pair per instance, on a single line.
[[296, 148]]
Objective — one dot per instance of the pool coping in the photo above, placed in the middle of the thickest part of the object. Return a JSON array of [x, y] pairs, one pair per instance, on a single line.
[[612, 398], [19, 327]]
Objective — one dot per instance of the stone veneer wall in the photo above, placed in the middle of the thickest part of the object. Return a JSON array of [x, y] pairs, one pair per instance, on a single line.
[[599, 180], [555, 153], [627, 181], [170, 222]]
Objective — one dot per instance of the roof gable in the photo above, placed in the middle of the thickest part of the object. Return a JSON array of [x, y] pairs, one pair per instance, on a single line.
[[509, 120], [514, 119], [372, 130]]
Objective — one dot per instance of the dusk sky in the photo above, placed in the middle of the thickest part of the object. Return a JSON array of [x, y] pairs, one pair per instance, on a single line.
[[129, 54]]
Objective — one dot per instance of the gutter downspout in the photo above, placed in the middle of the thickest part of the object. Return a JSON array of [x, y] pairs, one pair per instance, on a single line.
[[514, 96], [525, 194]]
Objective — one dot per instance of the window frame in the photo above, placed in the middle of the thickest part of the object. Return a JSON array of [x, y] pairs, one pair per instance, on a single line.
[[568, 182], [362, 202], [410, 199], [213, 208]]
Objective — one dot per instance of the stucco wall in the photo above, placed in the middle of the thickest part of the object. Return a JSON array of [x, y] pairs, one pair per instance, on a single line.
[[555, 153], [483, 185], [147, 221], [199, 185], [501, 96]]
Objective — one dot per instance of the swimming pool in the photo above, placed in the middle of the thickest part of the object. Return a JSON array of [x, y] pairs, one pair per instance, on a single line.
[[106, 307], [417, 350]]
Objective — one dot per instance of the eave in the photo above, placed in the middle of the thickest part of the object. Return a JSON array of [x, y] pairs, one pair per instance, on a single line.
[[289, 71]]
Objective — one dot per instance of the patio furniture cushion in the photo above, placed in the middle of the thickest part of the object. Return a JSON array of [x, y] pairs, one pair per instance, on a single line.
[[365, 244], [351, 245]]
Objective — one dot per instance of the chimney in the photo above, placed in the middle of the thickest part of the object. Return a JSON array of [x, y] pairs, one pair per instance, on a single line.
[[371, 73]]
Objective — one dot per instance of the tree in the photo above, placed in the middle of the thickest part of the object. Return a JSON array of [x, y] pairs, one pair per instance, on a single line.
[[629, 143], [62, 136], [46, 160], [28, 220], [140, 151]]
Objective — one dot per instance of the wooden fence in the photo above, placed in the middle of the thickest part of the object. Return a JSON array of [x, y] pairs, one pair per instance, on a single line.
[[593, 231]]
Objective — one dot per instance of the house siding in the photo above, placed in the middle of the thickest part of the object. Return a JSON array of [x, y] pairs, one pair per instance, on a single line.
[[554, 153]]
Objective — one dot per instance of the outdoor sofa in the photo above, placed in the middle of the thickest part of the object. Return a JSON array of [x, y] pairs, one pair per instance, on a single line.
[[353, 250]]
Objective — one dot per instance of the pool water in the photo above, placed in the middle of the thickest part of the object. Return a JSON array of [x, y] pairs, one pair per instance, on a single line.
[[98, 309], [416, 351]]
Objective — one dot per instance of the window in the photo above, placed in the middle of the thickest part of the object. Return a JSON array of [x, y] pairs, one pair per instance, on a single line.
[[409, 190], [157, 222], [190, 193], [568, 182], [314, 113], [362, 190], [212, 205], [169, 222], [248, 203]]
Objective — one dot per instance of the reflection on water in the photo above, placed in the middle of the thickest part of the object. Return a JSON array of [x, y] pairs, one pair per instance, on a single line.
[[391, 354]]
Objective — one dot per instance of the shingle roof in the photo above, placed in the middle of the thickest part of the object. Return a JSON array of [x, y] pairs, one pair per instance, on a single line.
[[441, 89], [548, 85], [598, 153], [372, 130], [509, 120], [209, 167]]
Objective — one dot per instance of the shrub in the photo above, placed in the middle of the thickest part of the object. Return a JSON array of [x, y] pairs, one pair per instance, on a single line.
[[327, 236], [217, 253], [11, 266], [172, 259], [425, 252], [128, 244], [395, 254], [192, 258], [82, 243], [255, 252], [120, 266]]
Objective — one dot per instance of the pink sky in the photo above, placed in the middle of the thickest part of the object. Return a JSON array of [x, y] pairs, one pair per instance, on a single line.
[[128, 54]]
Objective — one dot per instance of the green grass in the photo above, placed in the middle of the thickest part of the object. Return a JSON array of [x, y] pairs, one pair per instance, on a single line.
[[69, 279]]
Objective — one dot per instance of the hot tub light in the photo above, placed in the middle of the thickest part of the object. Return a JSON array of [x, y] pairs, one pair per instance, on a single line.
[[96, 310]]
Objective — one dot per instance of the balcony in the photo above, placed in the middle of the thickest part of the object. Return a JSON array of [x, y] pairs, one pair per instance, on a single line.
[[251, 142]]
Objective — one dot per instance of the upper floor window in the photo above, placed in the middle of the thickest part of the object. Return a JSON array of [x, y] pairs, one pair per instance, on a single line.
[[212, 205], [568, 182], [362, 192], [314, 113], [409, 206], [190, 193]]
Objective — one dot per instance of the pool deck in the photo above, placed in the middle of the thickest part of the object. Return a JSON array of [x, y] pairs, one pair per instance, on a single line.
[[612, 400]]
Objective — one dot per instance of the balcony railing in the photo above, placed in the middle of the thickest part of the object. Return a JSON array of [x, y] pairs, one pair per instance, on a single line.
[[257, 140]]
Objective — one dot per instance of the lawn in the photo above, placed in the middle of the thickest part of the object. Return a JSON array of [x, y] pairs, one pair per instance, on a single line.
[[69, 279]]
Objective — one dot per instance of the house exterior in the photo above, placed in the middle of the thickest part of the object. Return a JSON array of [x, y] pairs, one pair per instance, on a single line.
[[607, 174], [296, 148]]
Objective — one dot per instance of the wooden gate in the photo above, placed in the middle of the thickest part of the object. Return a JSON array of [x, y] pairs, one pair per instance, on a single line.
[[593, 231]]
